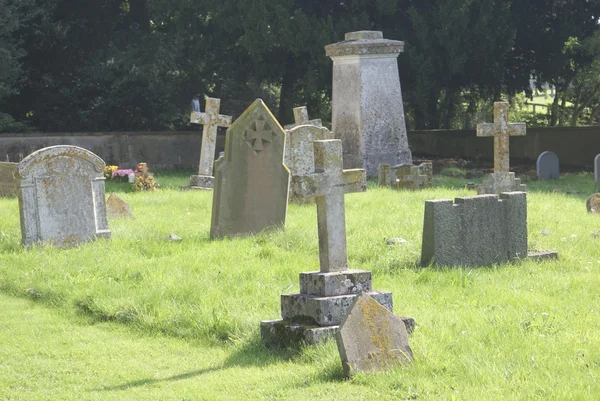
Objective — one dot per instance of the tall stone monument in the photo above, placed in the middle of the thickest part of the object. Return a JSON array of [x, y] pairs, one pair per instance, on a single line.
[[367, 109], [61, 196], [325, 296], [501, 180], [251, 181], [211, 120]]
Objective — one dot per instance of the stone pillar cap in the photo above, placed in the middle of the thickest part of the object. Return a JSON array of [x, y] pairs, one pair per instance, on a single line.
[[364, 43]]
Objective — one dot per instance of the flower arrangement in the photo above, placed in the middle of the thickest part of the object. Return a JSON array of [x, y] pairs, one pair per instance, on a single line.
[[123, 175], [109, 171], [144, 180]]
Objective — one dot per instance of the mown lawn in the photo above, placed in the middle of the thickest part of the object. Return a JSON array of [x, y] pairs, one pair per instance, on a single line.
[[140, 317]]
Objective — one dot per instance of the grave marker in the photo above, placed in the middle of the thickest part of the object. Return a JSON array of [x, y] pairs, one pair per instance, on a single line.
[[61, 196], [211, 120], [301, 118], [8, 179], [547, 166], [597, 168]]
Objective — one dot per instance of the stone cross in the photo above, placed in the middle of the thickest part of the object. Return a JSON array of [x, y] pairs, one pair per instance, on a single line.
[[501, 130], [211, 119], [301, 118], [328, 184]]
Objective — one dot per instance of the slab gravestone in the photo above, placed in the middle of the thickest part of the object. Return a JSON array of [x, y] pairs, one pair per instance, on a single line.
[[8, 180], [597, 168], [325, 296], [117, 207], [61, 196], [251, 181], [501, 180], [211, 121], [366, 105], [372, 338], [547, 166], [406, 176]]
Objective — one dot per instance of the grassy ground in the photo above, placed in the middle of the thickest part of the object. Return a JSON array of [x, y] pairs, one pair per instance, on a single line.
[[139, 317]]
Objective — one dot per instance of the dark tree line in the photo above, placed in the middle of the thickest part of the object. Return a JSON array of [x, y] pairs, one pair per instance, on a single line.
[[71, 65]]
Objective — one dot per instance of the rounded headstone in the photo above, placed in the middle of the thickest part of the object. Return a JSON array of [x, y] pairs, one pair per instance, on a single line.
[[547, 166], [593, 203]]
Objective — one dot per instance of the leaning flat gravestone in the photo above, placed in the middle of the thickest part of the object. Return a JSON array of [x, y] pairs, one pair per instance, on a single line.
[[61, 196], [8, 180], [117, 207], [371, 338], [593, 203], [547, 166], [251, 181]]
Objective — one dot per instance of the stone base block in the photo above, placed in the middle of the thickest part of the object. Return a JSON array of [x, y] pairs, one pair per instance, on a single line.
[[283, 333], [543, 255], [325, 311], [501, 182], [337, 283], [200, 182]]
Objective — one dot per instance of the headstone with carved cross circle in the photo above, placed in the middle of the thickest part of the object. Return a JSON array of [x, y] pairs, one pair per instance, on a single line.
[[325, 296], [501, 180], [211, 120], [301, 118], [251, 181]]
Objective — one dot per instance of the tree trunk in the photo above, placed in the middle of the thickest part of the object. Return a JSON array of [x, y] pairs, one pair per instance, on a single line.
[[286, 96], [554, 109]]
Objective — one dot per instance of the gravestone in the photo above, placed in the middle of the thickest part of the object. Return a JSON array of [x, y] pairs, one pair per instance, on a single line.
[[593, 204], [597, 168], [211, 120], [547, 166], [299, 152], [406, 176], [301, 118], [61, 196], [8, 180], [475, 231], [117, 207], [325, 296], [367, 109], [501, 180], [251, 181], [372, 338]]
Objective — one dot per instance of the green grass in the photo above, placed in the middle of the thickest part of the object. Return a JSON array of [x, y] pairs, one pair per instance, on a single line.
[[139, 317]]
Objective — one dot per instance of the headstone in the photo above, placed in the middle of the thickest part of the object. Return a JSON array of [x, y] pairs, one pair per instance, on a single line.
[[8, 180], [211, 120], [299, 152], [475, 231], [597, 168], [301, 118], [251, 181], [325, 296], [371, 338], [367, 109], [117, 207], [501, 180], [547, 166], [406, 176], [593, 203], [61, 196]]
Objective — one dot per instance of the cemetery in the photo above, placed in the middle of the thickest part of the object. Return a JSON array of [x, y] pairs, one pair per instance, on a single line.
[[302, 258]]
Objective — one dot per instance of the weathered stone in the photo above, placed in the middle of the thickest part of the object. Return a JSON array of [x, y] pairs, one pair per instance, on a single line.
[[371, 338], [547, 166], [395, 241], [8, 180], [117, 207], [301, 118], [174, 238], [211, 121], [597, 168], [251, 181], [299, 152], [475, 231], [61, 196], [367, 109], [501, 180], [335, 283], [406, 176], [593, 203]]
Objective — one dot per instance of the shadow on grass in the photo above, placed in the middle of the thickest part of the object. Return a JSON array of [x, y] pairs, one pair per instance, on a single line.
[[251, 353]]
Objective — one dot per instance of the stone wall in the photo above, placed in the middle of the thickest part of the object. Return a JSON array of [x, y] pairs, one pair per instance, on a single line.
[[575, 146], [175, 149]]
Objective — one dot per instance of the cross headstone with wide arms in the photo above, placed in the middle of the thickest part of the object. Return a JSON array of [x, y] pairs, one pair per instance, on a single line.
[[325, 296], [211, 120], [61, 196], [301, 118], [501, 180], [251, 181]]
